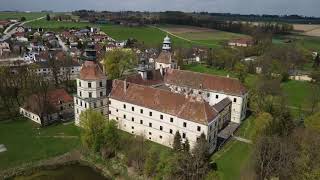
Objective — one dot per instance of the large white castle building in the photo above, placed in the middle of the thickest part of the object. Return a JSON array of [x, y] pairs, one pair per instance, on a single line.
[[157, 103]]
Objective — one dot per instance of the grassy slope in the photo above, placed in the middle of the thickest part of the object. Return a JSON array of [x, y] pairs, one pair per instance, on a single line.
[[296, 92], [14, 15], [26, 142]]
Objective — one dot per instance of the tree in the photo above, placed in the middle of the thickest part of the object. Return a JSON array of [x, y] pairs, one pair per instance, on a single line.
[[93, 126], [177, 142], [150, 166], [118, 62], [242, 71], [137, 154], [200, 160], [179, 58], [186, 146], [316, 63], [48, 17], [261, 125], [313, 122], [111, 139], [23, 18]]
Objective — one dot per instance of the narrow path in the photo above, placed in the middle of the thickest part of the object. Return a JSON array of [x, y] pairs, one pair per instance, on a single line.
[[191, 41], [242, 139], [61, 43]]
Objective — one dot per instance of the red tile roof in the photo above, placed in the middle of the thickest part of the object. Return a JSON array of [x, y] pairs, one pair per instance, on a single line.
[[167, 102], [90, 70], [164, 57], [204, 81], [154, 77], [36, 102]]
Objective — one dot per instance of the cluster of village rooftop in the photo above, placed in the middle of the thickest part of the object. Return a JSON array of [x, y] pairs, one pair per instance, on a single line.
[[156, 101]]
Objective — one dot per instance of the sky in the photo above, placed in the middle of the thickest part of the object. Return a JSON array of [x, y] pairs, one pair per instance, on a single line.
[[279, 7]]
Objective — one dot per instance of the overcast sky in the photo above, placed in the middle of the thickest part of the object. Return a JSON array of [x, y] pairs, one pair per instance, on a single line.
[[282, 7]]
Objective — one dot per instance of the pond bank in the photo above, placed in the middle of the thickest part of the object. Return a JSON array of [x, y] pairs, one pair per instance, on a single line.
[[68, 159]]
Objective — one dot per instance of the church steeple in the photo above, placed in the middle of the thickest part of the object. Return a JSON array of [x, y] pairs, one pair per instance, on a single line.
[[166, 44]]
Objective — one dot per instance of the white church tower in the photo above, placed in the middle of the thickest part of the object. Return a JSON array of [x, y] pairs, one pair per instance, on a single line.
[[166, 44], [91, 88]]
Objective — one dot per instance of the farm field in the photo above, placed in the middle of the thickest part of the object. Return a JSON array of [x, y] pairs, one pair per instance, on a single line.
[[26, 142], [205, 36], [18, 15], [308, 29]]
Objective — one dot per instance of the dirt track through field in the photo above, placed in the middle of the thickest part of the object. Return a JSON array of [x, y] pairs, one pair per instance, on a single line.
[[177, 36]]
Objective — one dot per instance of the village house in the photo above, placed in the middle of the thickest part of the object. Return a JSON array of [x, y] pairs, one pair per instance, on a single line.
[[46, 108], [4, 48], [241, 42]]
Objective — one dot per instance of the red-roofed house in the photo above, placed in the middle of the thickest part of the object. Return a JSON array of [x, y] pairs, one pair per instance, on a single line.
[[49, 107], [241, 42]]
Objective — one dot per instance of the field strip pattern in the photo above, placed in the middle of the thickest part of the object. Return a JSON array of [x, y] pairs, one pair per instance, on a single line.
[[191, 41]]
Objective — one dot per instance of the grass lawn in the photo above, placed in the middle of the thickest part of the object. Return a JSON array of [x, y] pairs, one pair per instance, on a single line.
[[297, 92], [26, 142], [233, 157], [18, 15], [57, 25]]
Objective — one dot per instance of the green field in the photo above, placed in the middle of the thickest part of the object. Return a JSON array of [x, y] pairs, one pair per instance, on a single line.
[[18, 15], [297, 92], [234, 156], [26, 142]]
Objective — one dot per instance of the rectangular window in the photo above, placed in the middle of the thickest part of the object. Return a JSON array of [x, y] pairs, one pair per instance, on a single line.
[[132, 127], [150, 113], [171, 131], [141, 122], [217, 96], [124, 116], [161, 128], [80, 93], [100, 83], [208, 94], [150, 133], [183, 135], [132, 119], [141, 111], [85, 105], [94, 105], [132, 108], [124, 106], [117, 118], [90, 94], [184, 124], [109, 102], [160, 137], [198, 128], [150, 124], [171, 119], [161, 116], [89, 85], [101, 94], [234, 99], [79, 83], [101, 103]]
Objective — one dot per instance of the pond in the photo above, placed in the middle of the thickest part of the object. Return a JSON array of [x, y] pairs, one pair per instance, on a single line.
[[70, 172]]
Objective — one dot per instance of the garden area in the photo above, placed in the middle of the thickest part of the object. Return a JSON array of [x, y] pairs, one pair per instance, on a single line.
[[26, 142]]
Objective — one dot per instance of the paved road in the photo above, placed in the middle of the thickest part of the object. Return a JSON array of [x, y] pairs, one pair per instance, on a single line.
[[10, 30], [61, 43]]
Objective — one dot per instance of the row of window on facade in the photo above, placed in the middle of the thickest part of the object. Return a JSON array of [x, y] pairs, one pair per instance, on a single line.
[[184, 135], [85, 104], [90, 84], [161, 127], [90, 94]]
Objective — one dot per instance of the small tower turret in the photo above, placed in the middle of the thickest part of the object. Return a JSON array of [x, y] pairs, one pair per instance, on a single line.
[[166, 44]]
